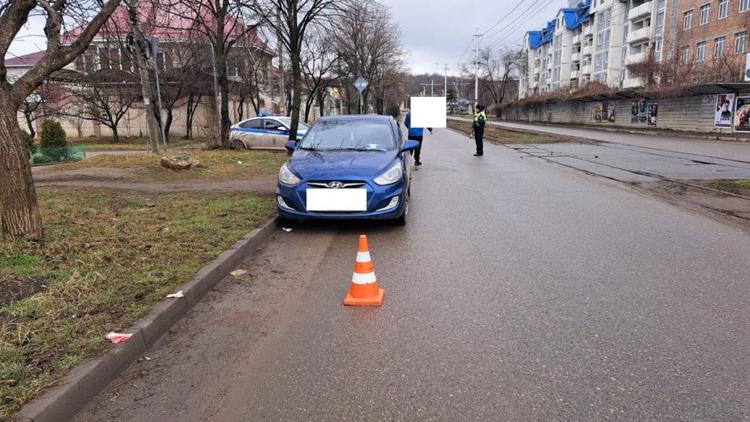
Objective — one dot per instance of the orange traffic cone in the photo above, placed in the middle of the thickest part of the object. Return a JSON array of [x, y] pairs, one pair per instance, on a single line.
[[364, 290]]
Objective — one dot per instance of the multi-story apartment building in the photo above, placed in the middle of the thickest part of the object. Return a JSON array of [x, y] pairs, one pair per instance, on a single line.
[[583, 43], [707, 37], [601, 39]]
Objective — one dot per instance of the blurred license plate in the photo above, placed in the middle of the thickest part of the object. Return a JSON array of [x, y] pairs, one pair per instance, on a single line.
[[337, 199]]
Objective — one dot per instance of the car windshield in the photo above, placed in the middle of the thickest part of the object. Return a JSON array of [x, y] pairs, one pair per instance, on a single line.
[[349, 135], [287, 121]]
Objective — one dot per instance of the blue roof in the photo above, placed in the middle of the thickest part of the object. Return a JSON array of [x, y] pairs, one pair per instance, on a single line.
[[572, 19]]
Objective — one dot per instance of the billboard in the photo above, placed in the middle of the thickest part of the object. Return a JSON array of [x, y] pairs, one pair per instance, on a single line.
[[742, 115], [428, 112], [603, 112], [723, 110]]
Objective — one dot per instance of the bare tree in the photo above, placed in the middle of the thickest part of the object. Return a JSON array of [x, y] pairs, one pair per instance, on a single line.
[[20, 211], [290, 20], [224, 26], [367, 41], [318, 64], [40, 105], [253, 72], [104, 98], [498, 68]]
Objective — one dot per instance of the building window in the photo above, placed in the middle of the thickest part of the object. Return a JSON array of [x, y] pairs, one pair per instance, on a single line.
[[740, 40], [657, 49], [705, 13], [684, 53], [723, 8], [700, 51], [719, 47], [687, 19], [744, 5]]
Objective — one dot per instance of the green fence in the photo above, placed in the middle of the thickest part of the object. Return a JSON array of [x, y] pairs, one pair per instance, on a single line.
[[41, 156]]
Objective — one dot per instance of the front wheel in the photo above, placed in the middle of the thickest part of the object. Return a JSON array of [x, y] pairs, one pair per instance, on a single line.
[[237, 145], [401, 220]]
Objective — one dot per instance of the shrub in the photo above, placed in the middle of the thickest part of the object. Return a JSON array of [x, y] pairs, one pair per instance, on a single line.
[[40, 158], [53, 135]]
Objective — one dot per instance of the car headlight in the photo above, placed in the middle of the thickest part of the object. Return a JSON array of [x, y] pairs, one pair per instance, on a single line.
[[390, 176], [287, 177]]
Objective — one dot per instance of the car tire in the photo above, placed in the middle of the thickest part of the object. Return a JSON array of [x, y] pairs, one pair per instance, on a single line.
[[237, 145], [401, 220]]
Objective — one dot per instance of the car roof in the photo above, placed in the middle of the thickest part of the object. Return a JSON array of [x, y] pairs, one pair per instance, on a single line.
[[367, 117]]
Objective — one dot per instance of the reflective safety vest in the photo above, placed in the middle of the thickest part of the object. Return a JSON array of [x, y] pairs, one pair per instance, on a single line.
[[477, 117]]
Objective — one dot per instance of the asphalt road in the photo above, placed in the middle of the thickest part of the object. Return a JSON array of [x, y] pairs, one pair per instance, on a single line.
[[712, 148], [520, 290]]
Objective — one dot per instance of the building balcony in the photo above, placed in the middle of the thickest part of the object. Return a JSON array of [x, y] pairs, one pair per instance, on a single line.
[[549, 65], [639, 35], [640, 11], [636, 58], [586, 30], [587, 50], [632, 83], [536, 70], [586, 70], [575, 57], [576, 39], [574, 74]]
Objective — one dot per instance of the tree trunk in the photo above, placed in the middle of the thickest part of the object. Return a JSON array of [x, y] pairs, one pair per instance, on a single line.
[[221, 69], [115, 135], [308, 105], [321, 104], [20, 211], [296, 95], [168, 123], [30, 124], [191, 105]]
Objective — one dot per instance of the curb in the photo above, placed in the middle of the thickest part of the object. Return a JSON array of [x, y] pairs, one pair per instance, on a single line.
[[74, 390]]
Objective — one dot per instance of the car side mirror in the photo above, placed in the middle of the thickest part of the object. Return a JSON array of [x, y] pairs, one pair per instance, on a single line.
[[290, 145], [410, 145]]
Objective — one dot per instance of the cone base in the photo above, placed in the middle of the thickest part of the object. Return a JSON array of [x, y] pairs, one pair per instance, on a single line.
[[376, 300]]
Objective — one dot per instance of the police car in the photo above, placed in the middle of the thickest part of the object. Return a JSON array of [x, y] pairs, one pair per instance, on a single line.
[[266, 132]]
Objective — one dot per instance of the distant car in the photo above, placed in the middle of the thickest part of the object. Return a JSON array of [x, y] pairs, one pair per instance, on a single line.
[[267, 132], [347, 167]]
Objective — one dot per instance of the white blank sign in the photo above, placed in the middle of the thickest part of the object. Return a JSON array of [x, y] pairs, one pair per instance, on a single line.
[[428, 112], [336, 199]]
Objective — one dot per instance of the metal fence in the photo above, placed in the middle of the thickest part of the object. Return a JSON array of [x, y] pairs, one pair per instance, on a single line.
[[41, 156]]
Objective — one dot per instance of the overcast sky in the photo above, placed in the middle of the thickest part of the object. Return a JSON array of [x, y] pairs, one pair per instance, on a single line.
[[436, 31]]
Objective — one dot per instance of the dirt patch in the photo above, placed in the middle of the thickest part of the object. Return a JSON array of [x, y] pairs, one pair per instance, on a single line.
[[59, 174], [15, 290], [715, 201], [264, 185]]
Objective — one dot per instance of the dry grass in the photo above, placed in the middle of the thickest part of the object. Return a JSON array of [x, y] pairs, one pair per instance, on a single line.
[[501, 135], [106, 259], [738, 186], [215, 165]]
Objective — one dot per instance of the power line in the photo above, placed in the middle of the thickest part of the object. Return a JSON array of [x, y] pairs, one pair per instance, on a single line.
[[503, 18], [523, 19]]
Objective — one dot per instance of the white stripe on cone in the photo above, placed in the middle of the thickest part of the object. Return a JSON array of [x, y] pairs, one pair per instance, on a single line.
[[368, 278], [363, 256]]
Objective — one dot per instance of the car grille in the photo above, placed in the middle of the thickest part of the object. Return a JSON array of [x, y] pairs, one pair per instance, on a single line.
[[343, 185]]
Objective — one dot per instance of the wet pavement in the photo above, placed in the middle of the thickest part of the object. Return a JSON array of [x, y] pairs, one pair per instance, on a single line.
[[519, 290]]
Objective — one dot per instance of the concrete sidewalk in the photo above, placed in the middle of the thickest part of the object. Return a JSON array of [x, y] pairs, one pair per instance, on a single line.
[[717, 149]]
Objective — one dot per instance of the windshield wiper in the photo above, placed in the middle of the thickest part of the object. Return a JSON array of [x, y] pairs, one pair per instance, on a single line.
[[361, 148]]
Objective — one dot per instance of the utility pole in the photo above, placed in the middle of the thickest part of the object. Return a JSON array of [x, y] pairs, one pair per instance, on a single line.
[[476, 70], [432, 87], [282, 89], [445, 79], [142, 56]]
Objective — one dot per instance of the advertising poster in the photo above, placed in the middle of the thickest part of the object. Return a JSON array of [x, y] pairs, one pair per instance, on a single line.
[[742, 115], [653, 112], [602, 112], [723, 110], [638, 112]]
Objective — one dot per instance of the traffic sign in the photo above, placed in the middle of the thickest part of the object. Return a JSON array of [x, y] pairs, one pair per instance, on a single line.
[[361, 84]]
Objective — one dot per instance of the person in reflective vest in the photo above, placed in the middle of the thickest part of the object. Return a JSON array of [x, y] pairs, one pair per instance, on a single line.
[[480, 118]]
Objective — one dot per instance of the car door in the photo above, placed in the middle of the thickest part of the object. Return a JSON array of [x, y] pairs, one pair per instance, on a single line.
[[249, 132], [277, 133]]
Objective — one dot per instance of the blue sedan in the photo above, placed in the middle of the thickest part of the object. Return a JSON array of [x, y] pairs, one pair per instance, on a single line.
[[347, 167]]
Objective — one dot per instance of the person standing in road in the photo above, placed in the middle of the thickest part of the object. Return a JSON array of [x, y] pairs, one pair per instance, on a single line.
[[480, 118], [415, 134]]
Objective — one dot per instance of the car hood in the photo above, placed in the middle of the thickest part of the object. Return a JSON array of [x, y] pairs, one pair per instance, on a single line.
[[339, 165]]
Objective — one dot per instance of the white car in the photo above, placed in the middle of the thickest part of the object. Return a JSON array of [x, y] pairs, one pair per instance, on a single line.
[[268, 132]]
